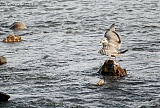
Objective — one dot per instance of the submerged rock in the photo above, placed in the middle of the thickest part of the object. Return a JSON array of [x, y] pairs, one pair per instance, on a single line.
[[18, 26], [3, 60], [12, 38], [4, 97]]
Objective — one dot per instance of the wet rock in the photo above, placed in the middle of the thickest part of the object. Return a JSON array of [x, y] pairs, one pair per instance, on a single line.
[[111, 68], [18, 26], [100, 82], [3, 60], [12, 38], [4, 97]]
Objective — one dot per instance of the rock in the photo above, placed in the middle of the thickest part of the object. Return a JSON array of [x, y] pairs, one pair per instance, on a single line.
[[12, 38], [18, 26], [3, 60], [111, 68], [100, 82], [4, 97]]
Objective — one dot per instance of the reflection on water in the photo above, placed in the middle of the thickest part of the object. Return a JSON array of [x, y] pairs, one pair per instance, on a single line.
[[56, 65]]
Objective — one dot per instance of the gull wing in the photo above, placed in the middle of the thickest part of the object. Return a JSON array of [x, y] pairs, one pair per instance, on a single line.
[[113, 37], [112, 27]]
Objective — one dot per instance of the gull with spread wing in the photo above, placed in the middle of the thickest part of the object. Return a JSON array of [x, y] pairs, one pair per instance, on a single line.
[[111, 43]]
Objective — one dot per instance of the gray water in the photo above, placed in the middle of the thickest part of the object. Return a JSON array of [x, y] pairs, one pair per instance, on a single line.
[[56, 64]]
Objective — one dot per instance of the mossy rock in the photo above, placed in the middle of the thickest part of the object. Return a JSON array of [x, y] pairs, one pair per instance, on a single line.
[[111, 68], [12, 38]]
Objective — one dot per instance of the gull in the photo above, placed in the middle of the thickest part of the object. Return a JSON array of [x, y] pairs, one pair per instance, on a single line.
[[113, 37]]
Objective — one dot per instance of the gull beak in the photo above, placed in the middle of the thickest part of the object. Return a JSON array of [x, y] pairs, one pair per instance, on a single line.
[[101, 41]]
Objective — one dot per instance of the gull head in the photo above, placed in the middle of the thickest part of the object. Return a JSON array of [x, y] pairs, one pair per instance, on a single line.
[[104, 41]]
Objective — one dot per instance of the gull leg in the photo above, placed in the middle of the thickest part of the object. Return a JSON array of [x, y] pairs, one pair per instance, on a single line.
[[109, 58], [109, 54]]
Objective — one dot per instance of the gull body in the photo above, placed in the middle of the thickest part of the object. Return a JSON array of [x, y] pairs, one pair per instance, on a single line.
[[108, 49]]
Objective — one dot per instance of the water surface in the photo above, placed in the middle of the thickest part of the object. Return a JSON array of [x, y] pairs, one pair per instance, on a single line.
[[56, 65]]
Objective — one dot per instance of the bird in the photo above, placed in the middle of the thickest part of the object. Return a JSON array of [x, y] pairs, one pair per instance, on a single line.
[[113, 37], [109, 50]]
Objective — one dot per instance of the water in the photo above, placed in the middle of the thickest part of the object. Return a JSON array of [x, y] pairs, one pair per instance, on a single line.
[[56, 64]]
